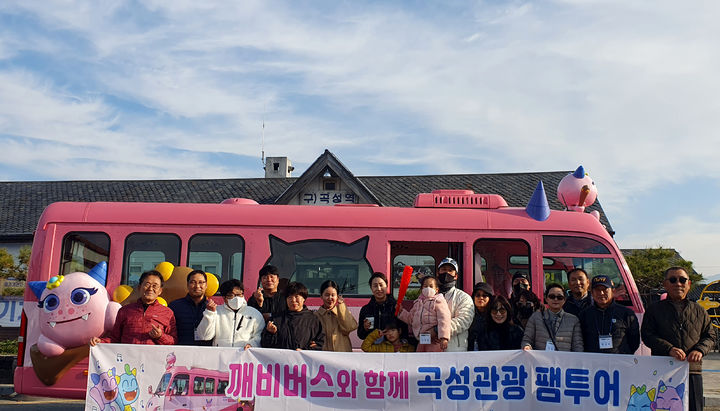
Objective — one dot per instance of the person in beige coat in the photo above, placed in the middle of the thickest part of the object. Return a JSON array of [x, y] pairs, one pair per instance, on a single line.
[[553, 329], [337, 322]]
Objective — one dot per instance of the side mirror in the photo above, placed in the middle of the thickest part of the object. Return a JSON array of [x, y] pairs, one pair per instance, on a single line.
[[150, 389]]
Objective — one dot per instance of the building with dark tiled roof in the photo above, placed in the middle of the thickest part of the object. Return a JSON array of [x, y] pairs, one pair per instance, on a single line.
[[326, 182]]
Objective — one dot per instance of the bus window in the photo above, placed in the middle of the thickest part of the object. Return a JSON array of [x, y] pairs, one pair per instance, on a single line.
[[568, 244], [81, 251], [180, 384], [163, 384], [144, 251], [424, 258], [210, 386], [222, 384], [496, 260], [220, 254], [198, 385], [557, 272], [423, 265], [313, 262]]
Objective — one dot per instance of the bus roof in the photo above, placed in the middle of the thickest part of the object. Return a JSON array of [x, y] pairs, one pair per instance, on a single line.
[[504, 218]]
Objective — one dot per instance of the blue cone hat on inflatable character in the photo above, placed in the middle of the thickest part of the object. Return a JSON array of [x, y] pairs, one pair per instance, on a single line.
[[538, 207]]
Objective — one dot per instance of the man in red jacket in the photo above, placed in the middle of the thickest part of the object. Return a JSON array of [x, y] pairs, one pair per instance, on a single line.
[[145, 321]]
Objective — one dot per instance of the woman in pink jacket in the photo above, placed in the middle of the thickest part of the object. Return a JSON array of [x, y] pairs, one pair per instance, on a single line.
[[429, 318]]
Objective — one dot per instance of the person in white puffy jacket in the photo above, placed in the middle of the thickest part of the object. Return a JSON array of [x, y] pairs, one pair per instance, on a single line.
[[462, 308], [233, 324]]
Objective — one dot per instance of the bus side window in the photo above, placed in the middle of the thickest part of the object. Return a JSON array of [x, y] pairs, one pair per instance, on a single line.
[[313, 262], [423, 265], [210, 386], [198, 385], [219, 254], [144, 251], [81, 251], [556, 265], [222, 384], [496, 260], [180, 384]]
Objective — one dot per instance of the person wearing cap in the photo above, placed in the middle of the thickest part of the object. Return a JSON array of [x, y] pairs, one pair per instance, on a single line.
[[477, 334], [266, 298], [520, 281], [681, 329], [607, 326], [461, 305], [578, 298]]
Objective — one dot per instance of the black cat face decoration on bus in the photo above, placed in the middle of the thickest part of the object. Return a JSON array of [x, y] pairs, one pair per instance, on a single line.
[[314, 261]]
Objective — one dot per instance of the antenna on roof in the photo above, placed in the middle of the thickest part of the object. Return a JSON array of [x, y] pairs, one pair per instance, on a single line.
[[262, 142]]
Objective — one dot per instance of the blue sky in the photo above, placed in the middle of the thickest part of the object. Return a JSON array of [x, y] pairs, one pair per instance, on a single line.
[[165, 90]]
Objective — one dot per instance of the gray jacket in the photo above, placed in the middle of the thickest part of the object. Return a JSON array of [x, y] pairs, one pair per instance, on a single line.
[[568, 336]]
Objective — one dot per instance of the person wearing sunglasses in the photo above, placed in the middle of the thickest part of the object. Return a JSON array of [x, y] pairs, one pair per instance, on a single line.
[[680, 328], [553, 329], [607, 326]]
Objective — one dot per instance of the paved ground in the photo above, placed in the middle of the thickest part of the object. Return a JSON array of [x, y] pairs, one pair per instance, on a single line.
[[11, 401]]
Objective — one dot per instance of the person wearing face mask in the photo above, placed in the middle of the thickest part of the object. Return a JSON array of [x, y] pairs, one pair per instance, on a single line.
[[520, 282], [233, 324], [337, 322], [462, 309], [527, 303], [429, 315]]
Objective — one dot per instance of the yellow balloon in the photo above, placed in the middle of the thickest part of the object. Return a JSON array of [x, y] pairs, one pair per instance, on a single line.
[[165, 268], [162, 301], [212, 285], [121, 293]]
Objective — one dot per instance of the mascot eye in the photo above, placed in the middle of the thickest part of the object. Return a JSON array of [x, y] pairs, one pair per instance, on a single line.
[[51, 302], [79, 296]]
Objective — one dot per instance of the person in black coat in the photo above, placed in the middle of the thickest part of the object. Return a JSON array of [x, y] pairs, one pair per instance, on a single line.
[[297, 328], [607, 326], [477, 334], [380, 311], [502, 332], [267, 298]]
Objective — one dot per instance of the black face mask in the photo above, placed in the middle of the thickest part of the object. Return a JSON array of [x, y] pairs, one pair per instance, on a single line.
[[525, 310], [517, 288], [447, 282]]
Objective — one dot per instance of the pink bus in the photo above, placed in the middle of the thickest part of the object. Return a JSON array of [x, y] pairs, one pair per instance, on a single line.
[[182, 388], [347, 243]]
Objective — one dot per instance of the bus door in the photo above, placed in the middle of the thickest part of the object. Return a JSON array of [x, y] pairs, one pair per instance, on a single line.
[[496, 260], [423, 256]]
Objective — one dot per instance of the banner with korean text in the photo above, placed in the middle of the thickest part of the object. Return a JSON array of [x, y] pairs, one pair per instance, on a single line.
[[214, 378]]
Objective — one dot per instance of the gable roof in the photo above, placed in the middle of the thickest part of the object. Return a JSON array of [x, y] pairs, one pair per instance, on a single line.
[[21, 203], [327, 161]]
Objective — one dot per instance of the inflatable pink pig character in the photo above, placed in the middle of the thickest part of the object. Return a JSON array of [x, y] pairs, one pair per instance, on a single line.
[[577, 191], [73, 308]]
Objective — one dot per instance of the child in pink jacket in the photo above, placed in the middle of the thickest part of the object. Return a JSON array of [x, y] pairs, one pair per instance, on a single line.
[[429, 315]]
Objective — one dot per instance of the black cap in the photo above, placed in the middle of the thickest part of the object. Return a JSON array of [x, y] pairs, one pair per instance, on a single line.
[[484, 287], [520, 274]]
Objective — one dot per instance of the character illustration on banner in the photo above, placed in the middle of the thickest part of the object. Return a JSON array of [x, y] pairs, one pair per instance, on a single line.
[[640, 398], [128, 389], [73, 308], [105, 390], [669, 398]]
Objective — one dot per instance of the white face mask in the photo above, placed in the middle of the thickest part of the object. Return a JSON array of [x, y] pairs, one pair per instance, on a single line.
[[236, 303], [429, 292]]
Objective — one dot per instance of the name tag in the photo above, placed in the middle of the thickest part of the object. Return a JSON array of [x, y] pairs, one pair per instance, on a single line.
[[425, 339], [605, 342], [549, 346]]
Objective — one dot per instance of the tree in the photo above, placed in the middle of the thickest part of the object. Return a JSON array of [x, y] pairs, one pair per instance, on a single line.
[[648, 266], [8, 266]]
